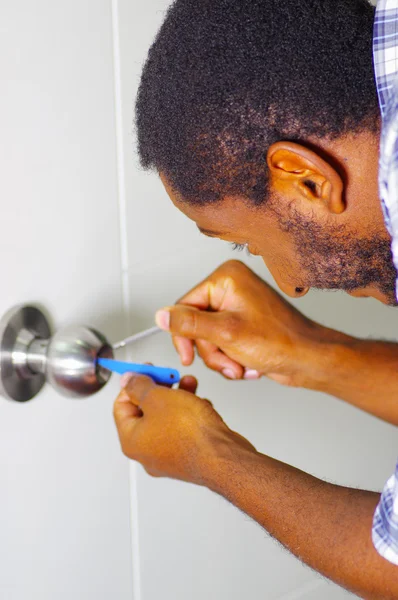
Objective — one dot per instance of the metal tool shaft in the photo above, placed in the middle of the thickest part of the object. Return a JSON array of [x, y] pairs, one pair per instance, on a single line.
[[136, 337]]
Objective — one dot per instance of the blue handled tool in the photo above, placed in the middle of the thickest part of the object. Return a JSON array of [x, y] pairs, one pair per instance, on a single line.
[[158, 374]]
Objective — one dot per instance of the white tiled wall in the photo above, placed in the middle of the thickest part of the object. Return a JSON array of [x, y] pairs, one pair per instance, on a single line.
[[197, 545]]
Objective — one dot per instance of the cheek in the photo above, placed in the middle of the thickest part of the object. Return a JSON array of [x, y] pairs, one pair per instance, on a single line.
[[279, 252], [283, 261]]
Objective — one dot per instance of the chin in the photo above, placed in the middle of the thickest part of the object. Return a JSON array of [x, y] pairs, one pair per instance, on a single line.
[[387, 299]]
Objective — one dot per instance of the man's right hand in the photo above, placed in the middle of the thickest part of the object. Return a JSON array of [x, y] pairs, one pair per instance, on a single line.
[[242, 327]]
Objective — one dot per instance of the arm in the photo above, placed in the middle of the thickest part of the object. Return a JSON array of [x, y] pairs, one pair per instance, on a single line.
[[241, 327], [326, 526], [361, 372], [174, 433]]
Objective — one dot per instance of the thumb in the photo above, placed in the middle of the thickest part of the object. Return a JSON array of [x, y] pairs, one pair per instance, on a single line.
[[126, 414], [190, 322]]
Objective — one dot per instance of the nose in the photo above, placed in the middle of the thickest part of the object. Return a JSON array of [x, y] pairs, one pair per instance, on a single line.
[[294, 290]]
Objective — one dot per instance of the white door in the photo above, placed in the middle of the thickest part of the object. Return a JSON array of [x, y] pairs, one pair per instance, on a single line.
[[64, 494], [92, 239]]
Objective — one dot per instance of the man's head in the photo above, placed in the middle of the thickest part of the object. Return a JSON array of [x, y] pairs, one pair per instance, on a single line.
[[262, 119]]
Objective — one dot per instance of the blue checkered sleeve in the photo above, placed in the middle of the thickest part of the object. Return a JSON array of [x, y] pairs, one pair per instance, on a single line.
[[385, 46], [385, 57], [385, 522], [388, 168]]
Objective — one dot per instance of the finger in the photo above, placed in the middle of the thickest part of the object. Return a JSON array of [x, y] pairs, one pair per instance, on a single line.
[[126, 415], [209, 403], [216, 360], [251, 374], [138, 388], [200, 296], [185, 349], [189, 384], [167, 385], [210, 293], [194, 324], [125, 378], [183, 346], [153, 473]]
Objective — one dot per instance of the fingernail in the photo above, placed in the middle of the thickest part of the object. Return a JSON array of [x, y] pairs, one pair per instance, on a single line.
[[125, 379], [229, 373], [162, 319], [251, 374]]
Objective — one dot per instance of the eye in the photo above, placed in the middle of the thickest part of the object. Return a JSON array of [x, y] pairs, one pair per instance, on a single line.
[[238, 247], [241, 247]]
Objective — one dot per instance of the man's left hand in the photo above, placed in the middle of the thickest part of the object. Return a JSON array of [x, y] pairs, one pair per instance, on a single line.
[[172, 432]]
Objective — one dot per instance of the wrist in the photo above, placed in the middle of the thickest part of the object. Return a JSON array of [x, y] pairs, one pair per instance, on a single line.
[[227, 452], [330, 355]]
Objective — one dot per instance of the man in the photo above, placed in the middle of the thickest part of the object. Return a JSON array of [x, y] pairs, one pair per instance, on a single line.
[[262, 119]]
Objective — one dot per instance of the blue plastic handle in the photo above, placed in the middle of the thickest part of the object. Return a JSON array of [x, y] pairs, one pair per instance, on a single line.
[[158, 374]]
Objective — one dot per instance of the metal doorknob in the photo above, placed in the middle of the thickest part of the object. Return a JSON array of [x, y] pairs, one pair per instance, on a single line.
[[30, 356]]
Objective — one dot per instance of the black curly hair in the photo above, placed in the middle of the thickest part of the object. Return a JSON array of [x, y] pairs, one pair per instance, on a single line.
[[225, 79]]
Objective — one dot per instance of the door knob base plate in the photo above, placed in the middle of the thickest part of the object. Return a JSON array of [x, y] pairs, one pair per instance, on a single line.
[[18, 328]]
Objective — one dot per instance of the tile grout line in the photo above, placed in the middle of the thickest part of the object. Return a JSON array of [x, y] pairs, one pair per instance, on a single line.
[[125, 288]]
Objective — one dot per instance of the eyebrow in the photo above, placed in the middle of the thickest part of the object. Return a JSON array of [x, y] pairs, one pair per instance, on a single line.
[[209, 232]]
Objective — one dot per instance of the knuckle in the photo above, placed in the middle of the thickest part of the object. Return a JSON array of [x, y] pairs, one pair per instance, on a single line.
[[208, 354], [208, 404], [211, 362], [126, 452], [207, 410], [230, 328], [126, 449], [151, 472], [187, 324], [234, 266], [137, 381], [140, 387], [128, 443], [130, 448], [235, 275]]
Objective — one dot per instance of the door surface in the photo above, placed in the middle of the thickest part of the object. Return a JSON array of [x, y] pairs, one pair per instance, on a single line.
[[64, 499]]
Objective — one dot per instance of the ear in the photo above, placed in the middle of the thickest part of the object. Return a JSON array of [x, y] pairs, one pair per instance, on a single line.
[[294, 168]]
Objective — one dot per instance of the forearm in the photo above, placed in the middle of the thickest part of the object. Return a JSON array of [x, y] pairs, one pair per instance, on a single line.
[[326, 526], [361, 372]]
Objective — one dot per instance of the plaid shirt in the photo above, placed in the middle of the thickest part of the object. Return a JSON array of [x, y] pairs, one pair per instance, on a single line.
[[385, 56]]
